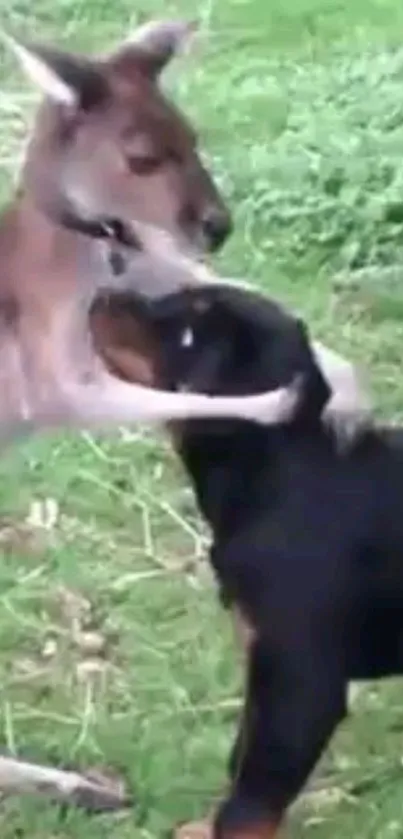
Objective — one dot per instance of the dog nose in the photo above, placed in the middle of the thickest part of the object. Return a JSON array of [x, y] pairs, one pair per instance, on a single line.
[[217, 226]]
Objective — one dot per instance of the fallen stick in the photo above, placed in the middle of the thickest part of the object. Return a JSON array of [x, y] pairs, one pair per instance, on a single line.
[[18, 777]]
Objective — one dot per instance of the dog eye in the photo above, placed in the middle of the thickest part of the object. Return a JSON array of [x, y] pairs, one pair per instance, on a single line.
[[187, 337]]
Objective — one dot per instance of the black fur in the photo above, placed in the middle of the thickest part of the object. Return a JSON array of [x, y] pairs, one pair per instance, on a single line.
[[308, 543]]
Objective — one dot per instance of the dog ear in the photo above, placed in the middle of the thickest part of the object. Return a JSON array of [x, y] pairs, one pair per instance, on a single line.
[[278, 343], [292, 355]]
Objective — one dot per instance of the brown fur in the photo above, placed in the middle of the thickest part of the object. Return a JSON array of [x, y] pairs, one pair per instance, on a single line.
[[112, 170]]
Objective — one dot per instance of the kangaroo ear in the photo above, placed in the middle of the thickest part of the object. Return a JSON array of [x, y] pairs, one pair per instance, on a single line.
[[152, 46], [66, 79]]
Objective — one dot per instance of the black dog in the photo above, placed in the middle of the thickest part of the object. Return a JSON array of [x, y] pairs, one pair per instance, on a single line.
[[307, 542]]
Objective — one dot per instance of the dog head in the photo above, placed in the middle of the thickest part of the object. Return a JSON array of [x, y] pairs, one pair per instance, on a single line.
[[220, 339]]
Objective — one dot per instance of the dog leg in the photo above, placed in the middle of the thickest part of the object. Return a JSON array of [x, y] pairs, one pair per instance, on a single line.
[[295, 699]]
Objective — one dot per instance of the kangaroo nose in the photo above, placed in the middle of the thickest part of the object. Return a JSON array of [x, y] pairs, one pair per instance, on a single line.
[[217, 226]]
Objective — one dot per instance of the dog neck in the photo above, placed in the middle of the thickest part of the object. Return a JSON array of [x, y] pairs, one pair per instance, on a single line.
[[236, 467]]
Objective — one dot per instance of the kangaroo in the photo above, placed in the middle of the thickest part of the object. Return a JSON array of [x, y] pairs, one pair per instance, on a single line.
[[111, 170]]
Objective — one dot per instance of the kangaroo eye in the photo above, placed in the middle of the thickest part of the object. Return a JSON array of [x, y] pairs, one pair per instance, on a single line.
[[143, 164], [143, 155], [187, 337]]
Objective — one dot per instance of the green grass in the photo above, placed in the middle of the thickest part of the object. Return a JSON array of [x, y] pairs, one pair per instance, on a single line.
[[301, 111]]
